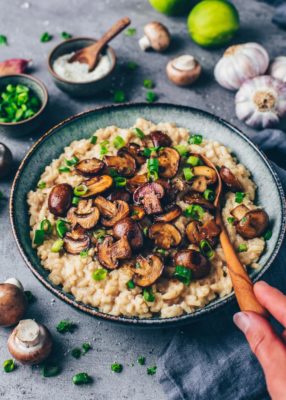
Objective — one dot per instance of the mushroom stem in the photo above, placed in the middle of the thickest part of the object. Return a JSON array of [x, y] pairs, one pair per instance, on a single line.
[[144, 43], [16, 282], [28, 333]]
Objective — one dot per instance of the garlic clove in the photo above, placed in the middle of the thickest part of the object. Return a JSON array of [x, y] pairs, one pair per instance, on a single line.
[[239, 63], [277, 68]]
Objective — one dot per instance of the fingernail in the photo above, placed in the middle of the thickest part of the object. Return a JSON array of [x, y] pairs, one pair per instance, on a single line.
[[262, 283], [242, 321]]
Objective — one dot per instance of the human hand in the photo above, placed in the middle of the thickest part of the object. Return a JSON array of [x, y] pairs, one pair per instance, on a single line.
[[269, 348]]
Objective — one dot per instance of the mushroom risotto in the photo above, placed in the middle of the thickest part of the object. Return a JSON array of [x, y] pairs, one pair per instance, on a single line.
[[125, 220]]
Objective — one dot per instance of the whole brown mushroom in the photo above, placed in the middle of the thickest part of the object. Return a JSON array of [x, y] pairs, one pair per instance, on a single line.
[[183, 70], [60, 199], [193, 260], [156, 36], [13, 302], [6, 160]]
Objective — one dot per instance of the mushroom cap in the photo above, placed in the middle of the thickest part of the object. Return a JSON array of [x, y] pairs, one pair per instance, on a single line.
[[130, 229], [123, 163], [89, 167], [158, 35], [197, 198], [13, 304], [193, 260], [160, 139], [111, 212], [253, 224], [136, 182], [230, 180], [169, 161], [60, 199], [30, 343], [171, 212], [165, 235], [134, 150], [150, 270], [149, 196], [84, 215], [96, 185], [183, 70], [76, 241], [110, 252]]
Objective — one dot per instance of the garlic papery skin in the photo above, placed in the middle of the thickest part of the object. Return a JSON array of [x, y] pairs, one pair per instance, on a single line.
[[277, 68], [261, 101], [239, 63]]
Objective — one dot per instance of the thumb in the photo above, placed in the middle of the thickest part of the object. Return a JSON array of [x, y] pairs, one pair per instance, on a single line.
[[267, 346]]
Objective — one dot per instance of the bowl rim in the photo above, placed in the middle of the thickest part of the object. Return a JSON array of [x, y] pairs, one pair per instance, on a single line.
[[135, 321], [74, 39], [38, 82]]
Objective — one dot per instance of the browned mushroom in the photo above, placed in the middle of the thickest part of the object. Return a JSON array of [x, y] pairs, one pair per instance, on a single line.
[[204, 176], [96, 185], [86, 215], [196, 198], [110, 252], [135, 182], [76, 241], [124, 164], [165, 235], [137, 213], [60, 199], [171, 212], [135, 151], [89, 167], [193, 260], [148, 270], [111, 212], [169, 160], [196, 231], [149, 196], [160, 139], [13, 302], [119, 194], [230, 180], [239, 211], [251, 223], [129, 228]]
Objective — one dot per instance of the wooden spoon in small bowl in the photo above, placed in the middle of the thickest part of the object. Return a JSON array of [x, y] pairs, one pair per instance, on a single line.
[[242, 284], [90, 55]]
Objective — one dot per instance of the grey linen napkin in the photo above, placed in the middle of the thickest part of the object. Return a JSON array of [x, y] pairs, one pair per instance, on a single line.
[[210, 359]]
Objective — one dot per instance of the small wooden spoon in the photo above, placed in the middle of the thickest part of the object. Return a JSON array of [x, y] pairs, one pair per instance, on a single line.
[[90, 55], [242, 284]]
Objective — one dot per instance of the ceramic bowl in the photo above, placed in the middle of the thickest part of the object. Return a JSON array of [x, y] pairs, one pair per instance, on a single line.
[[27, 126], [269, 194], [80, 89]]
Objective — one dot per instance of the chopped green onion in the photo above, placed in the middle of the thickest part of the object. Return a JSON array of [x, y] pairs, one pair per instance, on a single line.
[[3, 40], [132, 65], [148, 295], [188, 174], [50, 370], [84, 253], [183, 274], [209, 194], [46, 226], [148, 84], [81, 378], [118, 142], [239, 196], [80, 190], [9, 365], [63, 169], [141, 360], [146, 152], [39, 237], [267, 235], [230, 220], [73, 161], [195, 139], [130, 284], [57, 246], [181, 149], [119, 96], [66, 35], [116, 367], [120, 181], [194, 211], [130, 31], [93, 139], [41, 185], [151, 97], [86, 347], [76, 353], [194, 161], [151, 370], [30, 297], [45, 37], [65, 326], [140, 134], [99, 233], [242, 248], [100, 274], [145, 231], [103, 147], [75, 200], [161, 251], [61, 227], [153, 168], [206, 248]]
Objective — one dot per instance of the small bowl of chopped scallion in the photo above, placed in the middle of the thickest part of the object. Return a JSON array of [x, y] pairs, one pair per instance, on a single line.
[[23, 100]]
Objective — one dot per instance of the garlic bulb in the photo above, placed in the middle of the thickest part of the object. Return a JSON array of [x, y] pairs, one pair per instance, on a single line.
[[261, 101], [278, 68], [239, 63]]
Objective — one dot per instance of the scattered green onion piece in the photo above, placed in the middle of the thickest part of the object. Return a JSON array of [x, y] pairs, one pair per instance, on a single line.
[[50, 370], [181, 149], [147, 152], [194, 161], [93, 139], [148, 295], [118, 142], [195, 139], [161, 251], [45, 37], [41, 185], [194, 211], [9, 365], [148, 83], [120, 181], [99, 233], [46, 226], [80, 190], [130, 284], [130, 31], [84, 253], [132, 65], [141, 360], [39, 237], [3, 40], [153, 168], [73, 161], [209, 194], [76, 353], [151, 370], [119, 96], [206, 248], [86, 347], [188, 174], [57, 246], [145, 231], [230, 220], [81, 378], [61, 228], [65, 326], [63, 169], [30, 297], [75, 200], [267, 235], [100, 274], [116, 367], [239, 196], [183, 274], [140, 134], [242, 248], [103, 147], [151, 97], [66, 35]]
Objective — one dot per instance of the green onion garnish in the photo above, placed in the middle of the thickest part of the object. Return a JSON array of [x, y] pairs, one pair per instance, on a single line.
[[145, 231], [194, 211], [57, 246], [65, 326], [120, 181], [86, 347], [103, 147], [230, 220], [61, 227], [130, 31], [9, 365], [63, 169], [76, 353], [153, 168], [81, 378], [239, 196], [50, 370], [41, 185], [181, 149], [206, 248], [146, 152], [242, 248], [119, 96], [267, 235], [46, 226], [195, 139], [148, 83], [209, 194], [39, 237], [148, 295], [73, 161], [130, 284], [188, 174], [183, 274], [100, 274], [99, 233], [75, 200], [194, 161], [66, 35], [161, 251], [132, 65], [141, 360], [93, 139], [151, 97], [139, 133], [80, 190], [45, 37], [151, 370], [84, 253], [118, 142], [3, 40], [116, 367]]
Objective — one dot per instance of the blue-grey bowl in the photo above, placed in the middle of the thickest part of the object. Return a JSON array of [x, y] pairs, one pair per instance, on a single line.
[[270, 194]]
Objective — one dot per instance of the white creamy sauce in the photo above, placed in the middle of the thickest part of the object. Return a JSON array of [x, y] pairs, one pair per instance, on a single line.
[[78, 72]]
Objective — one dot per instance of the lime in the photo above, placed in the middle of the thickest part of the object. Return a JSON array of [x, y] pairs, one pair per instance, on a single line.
[[213, 22], [172, 7]]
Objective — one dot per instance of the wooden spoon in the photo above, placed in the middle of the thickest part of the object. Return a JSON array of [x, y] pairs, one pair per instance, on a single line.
[[90, 55], [242, 284]]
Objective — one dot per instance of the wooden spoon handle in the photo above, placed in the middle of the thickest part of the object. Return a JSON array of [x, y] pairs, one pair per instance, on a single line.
[[241, 281]]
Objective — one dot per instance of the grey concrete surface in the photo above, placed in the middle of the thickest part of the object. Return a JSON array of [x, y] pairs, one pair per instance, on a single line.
[[23, 26]]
